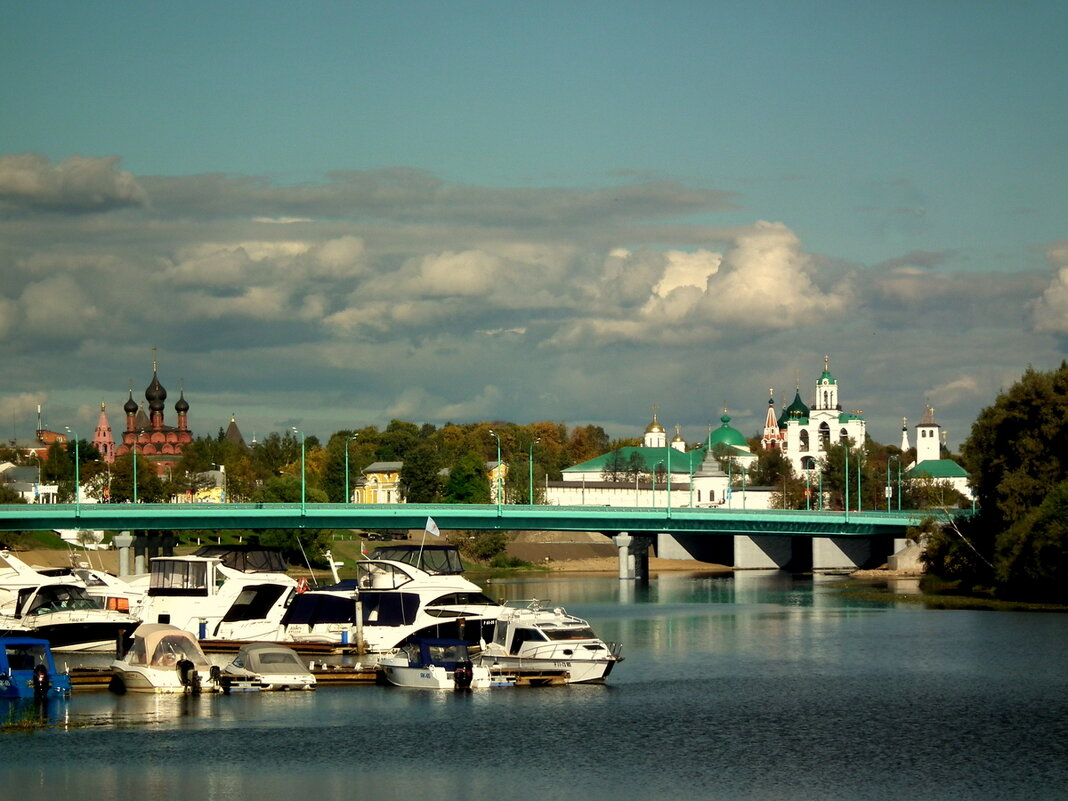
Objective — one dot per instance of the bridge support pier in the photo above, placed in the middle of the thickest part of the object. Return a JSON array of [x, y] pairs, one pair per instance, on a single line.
[[633, 556], [762, 553], [840, 553]]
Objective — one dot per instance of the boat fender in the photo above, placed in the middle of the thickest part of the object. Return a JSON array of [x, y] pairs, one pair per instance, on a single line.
[[463, 675], [302, 585], [41, 682]]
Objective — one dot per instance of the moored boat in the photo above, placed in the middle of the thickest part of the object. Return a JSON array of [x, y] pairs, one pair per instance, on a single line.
[[549, 638], [266, 666], [434, 664], [164, 659], [28, 670]]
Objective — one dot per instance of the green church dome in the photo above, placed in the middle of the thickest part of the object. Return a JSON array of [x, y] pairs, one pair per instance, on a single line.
[[726, 435]]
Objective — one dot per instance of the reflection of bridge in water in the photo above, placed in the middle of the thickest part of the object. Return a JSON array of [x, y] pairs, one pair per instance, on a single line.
[[793, 539]]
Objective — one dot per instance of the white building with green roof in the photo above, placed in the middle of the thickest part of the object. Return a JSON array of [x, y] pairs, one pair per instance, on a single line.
[[639, 475], [807, 432], [929, 464]]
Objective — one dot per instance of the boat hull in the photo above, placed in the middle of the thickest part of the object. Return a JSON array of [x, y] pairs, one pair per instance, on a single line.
[[579, 671], [432, 677]]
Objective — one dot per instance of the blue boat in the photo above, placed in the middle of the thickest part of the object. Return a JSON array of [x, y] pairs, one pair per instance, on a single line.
[[27, 670]]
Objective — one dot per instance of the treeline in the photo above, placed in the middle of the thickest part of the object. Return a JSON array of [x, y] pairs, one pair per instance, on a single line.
[[1017, 455], [270, 469]]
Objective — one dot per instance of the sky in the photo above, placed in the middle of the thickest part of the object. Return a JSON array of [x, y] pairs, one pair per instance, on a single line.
[[332, 214]]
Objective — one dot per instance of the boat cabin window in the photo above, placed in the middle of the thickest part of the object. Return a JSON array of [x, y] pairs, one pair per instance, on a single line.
[[380, 576], [577, 633], [25, 657], [455, 599], [60, 598], [174, 577], [254, 603], [523, 635]]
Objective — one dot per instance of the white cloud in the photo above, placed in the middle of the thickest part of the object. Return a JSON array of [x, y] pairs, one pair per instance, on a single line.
[[77, 184], [1050, 312]]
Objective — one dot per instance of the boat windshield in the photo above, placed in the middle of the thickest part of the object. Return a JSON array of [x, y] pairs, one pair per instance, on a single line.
[[170, 650], [25, 656], [61, 598], [570, 633]]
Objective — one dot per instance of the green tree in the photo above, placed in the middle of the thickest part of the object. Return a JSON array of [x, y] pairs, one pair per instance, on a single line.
[[468, 481], [1017, 456], [420, 481]]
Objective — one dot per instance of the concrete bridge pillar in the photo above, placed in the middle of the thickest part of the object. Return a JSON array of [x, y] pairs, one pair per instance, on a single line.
[[633, 555], [840, 553], [761, 553], [123, 541]]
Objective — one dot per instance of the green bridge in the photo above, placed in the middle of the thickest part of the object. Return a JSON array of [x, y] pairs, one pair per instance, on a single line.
[[745, 539]]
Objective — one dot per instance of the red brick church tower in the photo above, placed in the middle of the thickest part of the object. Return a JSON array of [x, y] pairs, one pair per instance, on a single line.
[[153, 439]]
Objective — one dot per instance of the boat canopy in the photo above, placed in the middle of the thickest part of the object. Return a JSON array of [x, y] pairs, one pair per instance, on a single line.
[[163, 645], [269, 659], [434, 559], [247, 558]]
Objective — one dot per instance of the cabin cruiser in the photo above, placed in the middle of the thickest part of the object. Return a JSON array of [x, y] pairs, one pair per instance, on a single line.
[[164, 659], [537, 637], [434, 664], [266, 666], [388, 603], [57, 608], [205, 595], [27, 670]]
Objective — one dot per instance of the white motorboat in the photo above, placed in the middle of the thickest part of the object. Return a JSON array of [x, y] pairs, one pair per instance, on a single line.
[[388, 603], [164, 659], [535, 637], [266, 666], [435, 664], [202, 594], [57, 608]]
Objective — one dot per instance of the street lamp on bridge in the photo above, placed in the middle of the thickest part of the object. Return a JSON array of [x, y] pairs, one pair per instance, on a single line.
[[77, 474], [530, 466], [348, 498], [889, 492], [303, 484], [497, 437]]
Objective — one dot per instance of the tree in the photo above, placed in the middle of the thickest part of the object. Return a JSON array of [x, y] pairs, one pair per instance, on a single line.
[[1017, 456], [468, 481], [615, 467], [419, 477]]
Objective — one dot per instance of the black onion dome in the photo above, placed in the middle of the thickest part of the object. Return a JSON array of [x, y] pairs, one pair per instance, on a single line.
[[155, 394], [130, 407], [182, 406]]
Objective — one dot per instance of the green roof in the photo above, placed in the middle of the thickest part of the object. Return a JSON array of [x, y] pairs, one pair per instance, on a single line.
[[795, 411], [726, 435], [938, 468]]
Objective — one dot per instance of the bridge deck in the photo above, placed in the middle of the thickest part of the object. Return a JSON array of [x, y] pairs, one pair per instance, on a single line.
[[638, 520]]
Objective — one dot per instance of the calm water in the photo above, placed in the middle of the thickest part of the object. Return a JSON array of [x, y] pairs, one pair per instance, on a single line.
[[762, 686]]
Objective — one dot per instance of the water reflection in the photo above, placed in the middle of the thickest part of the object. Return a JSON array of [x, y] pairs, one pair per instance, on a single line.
[[746, 686]]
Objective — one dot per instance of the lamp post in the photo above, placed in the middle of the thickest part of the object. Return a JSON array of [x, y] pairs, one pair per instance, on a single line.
[[846, 497], [497, 437], [348, 498], [670, 449], [860, 495], [303, 485], [77, 475], [655, 466], [530, 466], [889, 492]]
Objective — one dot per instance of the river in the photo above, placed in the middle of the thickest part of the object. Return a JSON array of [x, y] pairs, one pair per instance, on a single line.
[[755, 686]]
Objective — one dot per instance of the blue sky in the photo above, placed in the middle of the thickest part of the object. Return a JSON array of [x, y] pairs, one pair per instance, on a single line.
[[567, 211]]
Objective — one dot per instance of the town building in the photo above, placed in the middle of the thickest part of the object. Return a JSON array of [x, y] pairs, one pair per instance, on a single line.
[[929, 464], [807, 431], [149, 434]]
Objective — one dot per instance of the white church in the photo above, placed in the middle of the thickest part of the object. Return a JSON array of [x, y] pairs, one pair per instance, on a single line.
[[804, 434]]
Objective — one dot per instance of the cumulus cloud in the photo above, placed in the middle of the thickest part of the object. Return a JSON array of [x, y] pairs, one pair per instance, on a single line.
[[75, 185], [393, 293], [1050, 312]]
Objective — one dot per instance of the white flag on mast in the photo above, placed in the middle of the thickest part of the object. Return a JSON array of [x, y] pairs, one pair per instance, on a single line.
[[432, 527]]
